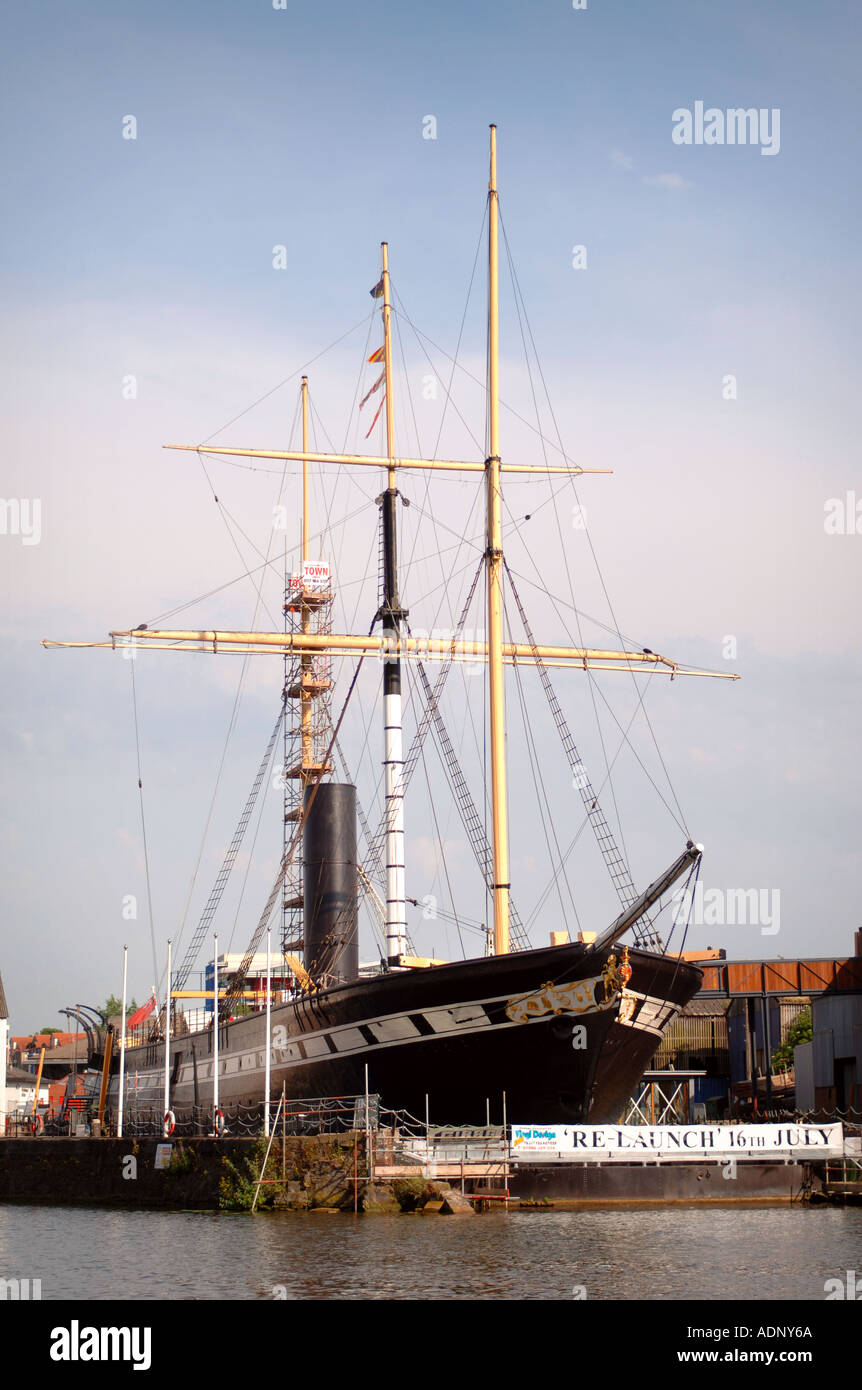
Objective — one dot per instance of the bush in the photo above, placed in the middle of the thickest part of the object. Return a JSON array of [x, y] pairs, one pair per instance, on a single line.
[[799, 1032], [237, 1186]]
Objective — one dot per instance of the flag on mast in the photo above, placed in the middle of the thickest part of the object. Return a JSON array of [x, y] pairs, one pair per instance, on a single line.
[[377, 416], [375, 387], [143, 1012], [377, 292], [377, 356]]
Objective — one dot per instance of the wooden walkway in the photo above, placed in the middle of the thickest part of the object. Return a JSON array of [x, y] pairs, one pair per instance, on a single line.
[[386, 1172]]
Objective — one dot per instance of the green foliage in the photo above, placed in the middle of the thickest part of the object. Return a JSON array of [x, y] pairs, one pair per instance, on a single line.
[[411, 1194], [182, 1160], [799, 1032], [237, 1186], [113, 1006]]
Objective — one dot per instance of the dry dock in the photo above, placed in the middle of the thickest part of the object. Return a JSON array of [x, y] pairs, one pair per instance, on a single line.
[[558, 1165]]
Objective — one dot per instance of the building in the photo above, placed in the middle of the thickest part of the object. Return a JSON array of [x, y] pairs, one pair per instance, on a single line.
[[697, 1041], [732, 1029], [765, 998], [25, 1050], [20, 1092], [829, 1068], [254, 988], [65, 1055], [756, 1029]]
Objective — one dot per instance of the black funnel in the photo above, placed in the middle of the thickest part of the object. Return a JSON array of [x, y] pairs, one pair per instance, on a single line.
[[330, 913]]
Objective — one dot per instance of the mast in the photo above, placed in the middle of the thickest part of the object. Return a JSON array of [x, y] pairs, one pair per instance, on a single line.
[[305, 694], [392, 615], [494, 569], [311, 638], [307, 617]]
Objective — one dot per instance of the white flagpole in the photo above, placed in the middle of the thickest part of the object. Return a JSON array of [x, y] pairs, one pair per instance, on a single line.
[[122, 1049], [268, 1081], [168, 1037], [215, 1032]]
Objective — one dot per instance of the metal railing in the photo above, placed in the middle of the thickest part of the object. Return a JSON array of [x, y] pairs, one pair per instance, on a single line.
[[395, 1131]]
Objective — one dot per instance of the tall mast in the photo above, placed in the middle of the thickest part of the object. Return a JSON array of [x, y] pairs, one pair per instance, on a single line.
[[494, 567], [307, 616], [305, 554], [315, 640], [392, 615], [307, 661]]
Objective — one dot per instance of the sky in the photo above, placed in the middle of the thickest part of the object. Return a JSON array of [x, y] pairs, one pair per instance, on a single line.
[[197, 196]]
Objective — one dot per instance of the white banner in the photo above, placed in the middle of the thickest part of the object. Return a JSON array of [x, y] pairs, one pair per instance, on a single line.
[[315, 577], [589, 1143]]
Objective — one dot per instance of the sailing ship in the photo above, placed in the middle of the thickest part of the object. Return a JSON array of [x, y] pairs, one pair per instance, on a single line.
[[563, 1031]]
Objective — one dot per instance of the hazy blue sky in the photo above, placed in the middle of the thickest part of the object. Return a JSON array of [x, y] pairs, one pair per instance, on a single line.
[[152, 258]]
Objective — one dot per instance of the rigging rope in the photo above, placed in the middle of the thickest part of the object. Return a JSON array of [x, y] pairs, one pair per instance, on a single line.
[[376, 845], [559, 878], [443, 860], [611, 853], [228, 862], [293, 375], [467, 809], [156, 977], [520, 302], [236, 985]]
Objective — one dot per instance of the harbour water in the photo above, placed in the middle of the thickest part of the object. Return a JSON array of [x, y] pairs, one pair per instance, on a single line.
[[769, 1253]]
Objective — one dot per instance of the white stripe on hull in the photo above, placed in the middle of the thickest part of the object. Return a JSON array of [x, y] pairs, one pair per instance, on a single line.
[[394, 1030]]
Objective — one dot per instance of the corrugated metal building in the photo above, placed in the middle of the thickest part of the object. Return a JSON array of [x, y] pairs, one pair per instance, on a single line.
[[696, 1040], [754, 1032], [730, 1040], [829, 1069]]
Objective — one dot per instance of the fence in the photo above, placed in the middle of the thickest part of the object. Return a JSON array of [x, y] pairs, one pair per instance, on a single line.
[[399, 1136], [300, 1116]]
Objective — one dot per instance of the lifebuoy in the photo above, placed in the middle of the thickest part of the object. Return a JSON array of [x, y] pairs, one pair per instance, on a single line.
[[218, 1122], [170, 1123], [37, 1125]]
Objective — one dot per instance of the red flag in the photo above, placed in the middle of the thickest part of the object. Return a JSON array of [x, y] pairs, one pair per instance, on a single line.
[[140, 1014], [377, 416], [377, 356], [369, 394]]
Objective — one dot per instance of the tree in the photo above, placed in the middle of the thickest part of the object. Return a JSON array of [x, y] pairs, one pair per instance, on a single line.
[[800, 1031], [113, 1006]]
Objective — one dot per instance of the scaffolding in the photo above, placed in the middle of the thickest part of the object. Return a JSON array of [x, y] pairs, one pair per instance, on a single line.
[[308, 601]]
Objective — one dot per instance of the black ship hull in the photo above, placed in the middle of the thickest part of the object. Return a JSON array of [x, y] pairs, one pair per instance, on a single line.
[[546, 1027]]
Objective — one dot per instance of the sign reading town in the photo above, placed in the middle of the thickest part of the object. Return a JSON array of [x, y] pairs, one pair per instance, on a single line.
[[589, 1143], [315, 577]]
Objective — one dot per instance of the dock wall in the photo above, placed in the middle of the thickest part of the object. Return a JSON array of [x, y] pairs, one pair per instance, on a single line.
[[201, 1174], [325, 1171], [584, 1184]]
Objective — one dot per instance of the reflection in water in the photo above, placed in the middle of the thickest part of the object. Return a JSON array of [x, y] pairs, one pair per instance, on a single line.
[[705, 1253]]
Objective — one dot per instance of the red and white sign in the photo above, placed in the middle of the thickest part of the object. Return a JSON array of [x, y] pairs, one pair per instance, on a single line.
[[314, 579]]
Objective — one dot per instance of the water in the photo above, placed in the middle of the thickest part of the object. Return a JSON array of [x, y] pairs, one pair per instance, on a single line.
[[715, 1253]]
